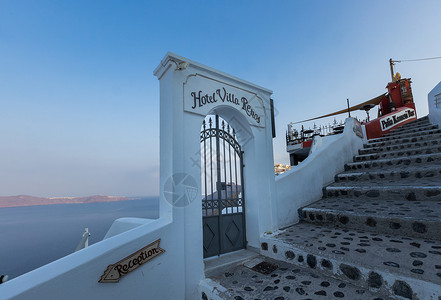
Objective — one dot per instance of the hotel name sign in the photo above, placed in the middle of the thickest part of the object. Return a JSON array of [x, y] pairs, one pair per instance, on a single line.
[[114, 272], [202, 94]]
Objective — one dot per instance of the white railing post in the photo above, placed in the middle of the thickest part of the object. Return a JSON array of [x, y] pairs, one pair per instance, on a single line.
[[84, 240]]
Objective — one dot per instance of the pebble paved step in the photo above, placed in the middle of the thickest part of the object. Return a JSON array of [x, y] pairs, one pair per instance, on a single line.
[[409, 193], [413, 124], [424, 119], [412, 130], [410, 189], [407, 146], [404, 135], [393, 265], [410, 126], [419, 159], [414, 139], [398, 153], [421, 219], [288, 281], [392, 173], [380, 219]]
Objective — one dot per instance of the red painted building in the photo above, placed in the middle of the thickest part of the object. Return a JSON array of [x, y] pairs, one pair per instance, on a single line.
[[396, 108]]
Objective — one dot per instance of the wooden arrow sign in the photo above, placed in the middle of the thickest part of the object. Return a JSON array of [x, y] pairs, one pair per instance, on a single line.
[[126, 265]]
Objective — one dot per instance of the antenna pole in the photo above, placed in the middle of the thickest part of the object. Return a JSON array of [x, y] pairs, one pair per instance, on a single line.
[[391, 63]]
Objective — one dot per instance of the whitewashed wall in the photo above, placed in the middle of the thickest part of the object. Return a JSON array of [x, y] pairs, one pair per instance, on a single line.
[[303, 184], [434, 112]]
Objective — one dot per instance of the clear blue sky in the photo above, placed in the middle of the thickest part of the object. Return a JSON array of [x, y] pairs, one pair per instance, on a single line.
[[79, 110]]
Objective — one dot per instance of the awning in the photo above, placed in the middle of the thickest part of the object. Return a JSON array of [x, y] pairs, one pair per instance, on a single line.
[[374, 101]]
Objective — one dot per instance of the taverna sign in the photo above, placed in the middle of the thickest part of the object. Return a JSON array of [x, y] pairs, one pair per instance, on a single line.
[[203, 94], [390, 121]]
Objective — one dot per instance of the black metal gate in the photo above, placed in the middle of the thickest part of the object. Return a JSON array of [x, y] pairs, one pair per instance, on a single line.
[[223, 202]]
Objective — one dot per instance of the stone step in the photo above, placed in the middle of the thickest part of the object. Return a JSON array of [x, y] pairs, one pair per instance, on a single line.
[[411, 189], [386, 174], [420, 119], [412, 130], [405, 135], [398, 153], [407, 146], [426, 117], [397, 265], [417, 122], [287, 281], [421, 219], [409, 127], [398, 162], [414, 139], [413, 125]]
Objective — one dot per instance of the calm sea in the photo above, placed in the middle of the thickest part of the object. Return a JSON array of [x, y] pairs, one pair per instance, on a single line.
[[36, 235]]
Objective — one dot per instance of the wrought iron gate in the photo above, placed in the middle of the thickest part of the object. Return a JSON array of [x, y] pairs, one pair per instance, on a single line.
[[223, 202]]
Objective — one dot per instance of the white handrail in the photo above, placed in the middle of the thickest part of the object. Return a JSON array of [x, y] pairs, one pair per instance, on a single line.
[[3, 278]]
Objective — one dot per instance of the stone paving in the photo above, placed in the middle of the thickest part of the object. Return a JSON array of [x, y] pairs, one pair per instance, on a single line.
[[288, 281], [401, 146], [427, 130], [393, 172], [417, 138], [414, 192], [416, 160], [375, 234], [398, 153], [380, 253], [423, 126], [398, 217], [379, 225]]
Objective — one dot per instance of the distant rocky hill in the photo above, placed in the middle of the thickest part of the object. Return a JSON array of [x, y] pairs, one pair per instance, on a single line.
[[232, 191], [25, 200]]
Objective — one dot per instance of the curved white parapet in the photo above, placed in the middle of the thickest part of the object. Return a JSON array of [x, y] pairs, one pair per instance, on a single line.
[[77, 275], [434, 103], [303, 184]]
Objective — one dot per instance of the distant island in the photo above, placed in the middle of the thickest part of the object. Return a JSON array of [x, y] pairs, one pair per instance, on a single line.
[[25, 200]]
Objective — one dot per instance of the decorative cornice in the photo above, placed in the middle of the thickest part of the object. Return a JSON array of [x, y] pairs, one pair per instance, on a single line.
[[179, 63]]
